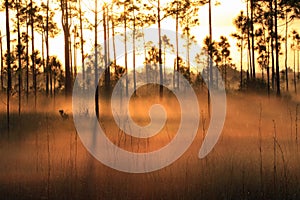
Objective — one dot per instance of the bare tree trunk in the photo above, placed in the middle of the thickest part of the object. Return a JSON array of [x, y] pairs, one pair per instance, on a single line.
[[8, 62], [75, 51], [48, 70], [33, 55], [249, 45], [160, 51], [66, 29], [295, 78], [177, 47], [252, 36], [125, 41], [114, 44], [96, 59], [277, 51], [272, 43], [242, 43], [286, 51], [107, 51], [81, 44], [133, 43], [1, 61], [27, 56], [106, 60], [210, 47], [19, 59]]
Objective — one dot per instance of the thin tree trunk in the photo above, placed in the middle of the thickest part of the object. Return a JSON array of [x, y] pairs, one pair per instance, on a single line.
[[210, 48], [249, 45], [75, 51], [114, 44], [8, 63], [19, 59], [286, 51], [33, 55], [96, 58], [46, 77], [252, 36], [210, 71], [108, 64], [125, 43], [81, 44], [188, 53], [272, 43], [277, 51], [27, 56], [160, 51], [133, 43], [177, 47], [48, 70], [295, 81], [242, 40], [66, 29], [107, 71], [1, 60]]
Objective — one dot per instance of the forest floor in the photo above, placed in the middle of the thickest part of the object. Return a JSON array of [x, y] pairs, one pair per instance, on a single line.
[[43, 158]]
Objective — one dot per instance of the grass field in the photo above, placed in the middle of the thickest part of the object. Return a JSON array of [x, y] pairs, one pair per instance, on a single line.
[[257, 156]]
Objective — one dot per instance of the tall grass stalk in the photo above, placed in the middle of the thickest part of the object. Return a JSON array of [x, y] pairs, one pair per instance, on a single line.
[[284, 168]]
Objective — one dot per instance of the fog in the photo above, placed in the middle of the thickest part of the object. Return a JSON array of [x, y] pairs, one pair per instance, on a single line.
[[43, 157]]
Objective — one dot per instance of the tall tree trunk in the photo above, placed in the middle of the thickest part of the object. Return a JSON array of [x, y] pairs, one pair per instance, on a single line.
[[295, 78], [48, 70], [160, 51], [19, 58], [107, 72], [210, 70], [241, 81], [277, 51], [286, 51], [106, 60], [125, 43], [133, 53], [210, 48], [46, 77], [188, 52], [96, 58], [81, 44], [27, 55], [33, 54], [66, 29], [298, 52], [252, 38], [249, 44], [75, 52], [272, 43], [8, 63], [114, 44], [177, 47], [1, 61]]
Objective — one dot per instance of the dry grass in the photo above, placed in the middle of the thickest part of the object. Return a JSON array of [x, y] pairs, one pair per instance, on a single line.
[[231, 170]]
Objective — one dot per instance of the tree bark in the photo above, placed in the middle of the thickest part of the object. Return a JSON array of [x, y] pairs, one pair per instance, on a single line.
[[1, 61], [8, 63], [160, 51], [286, 52], [277, 51], [19, 59], [81, 44], [66, 29]]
